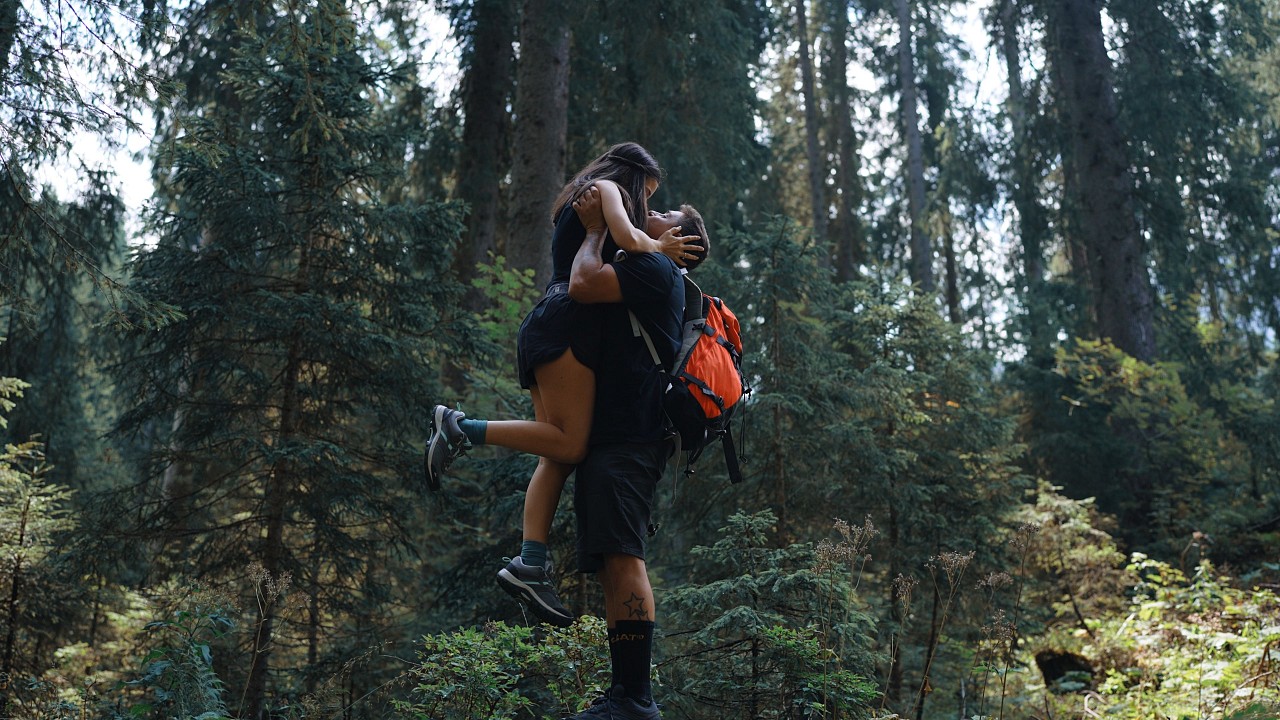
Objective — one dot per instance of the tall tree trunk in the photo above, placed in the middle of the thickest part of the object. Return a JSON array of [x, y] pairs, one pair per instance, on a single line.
[[1032, 222], [930, 646], [849, 250], [313, 619], [1077, 248], [921, 261], [813, 149], [279, 487], [952, 290], [779, 362], [1105, 188], [281, 484], [542, 119], [488, 83]]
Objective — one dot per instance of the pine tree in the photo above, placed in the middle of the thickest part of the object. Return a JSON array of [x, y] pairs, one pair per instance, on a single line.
[[816, 160], [541, 109], [765, 629], [490, 27], [1188, 103], [929, 458], [1025, 165], [909, 113], [301, 378], [847, 233], [1101, 184]]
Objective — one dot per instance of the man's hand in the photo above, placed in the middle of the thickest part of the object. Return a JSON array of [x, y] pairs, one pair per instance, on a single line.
[[588, 208], [592, 280]]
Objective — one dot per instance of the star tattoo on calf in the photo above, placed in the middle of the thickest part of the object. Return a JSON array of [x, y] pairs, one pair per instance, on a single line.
[[635, 607]]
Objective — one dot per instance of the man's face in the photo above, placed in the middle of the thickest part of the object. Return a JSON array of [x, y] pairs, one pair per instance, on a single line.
[[660, 222]]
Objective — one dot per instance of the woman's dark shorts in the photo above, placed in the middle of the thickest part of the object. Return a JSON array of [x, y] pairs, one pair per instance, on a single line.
[[555, 324], [613, 500]]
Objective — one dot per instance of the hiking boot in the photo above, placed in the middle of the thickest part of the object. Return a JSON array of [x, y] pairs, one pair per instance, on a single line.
[[532, 585], [446, 444], [615, 705]]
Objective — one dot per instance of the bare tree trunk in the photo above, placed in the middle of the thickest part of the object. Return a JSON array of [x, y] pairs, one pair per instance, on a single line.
[[1024, 193], [929, 647], [952, 291], [1031, 216], [849, 250], [279, 487], [779, 450], [1105, 190], [313, 622], [542, 119], [921, 261], [92, 640], [813, 150], [488, 84], [1078, 252]]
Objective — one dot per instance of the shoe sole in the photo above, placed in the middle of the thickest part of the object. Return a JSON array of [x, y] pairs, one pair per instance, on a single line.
[[437, 456], [525, 594]]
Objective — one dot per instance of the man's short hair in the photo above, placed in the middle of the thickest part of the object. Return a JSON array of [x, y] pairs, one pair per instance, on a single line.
[[693, 225]]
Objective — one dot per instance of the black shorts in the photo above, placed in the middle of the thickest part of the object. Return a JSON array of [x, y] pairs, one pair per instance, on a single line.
[[554, 325], [613, 500]]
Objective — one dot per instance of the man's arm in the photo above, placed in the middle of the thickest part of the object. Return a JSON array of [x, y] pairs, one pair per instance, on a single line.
[[592, 280]]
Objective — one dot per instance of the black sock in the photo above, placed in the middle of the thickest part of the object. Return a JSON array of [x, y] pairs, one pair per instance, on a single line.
[[631, 651]]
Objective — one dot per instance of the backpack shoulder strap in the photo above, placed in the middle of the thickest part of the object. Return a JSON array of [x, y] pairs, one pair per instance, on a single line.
[[695, 301], [637, 330]]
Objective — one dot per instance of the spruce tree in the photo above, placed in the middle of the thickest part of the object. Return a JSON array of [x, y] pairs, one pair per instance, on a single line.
[[766, 630], [288, 406], [1190, 105]]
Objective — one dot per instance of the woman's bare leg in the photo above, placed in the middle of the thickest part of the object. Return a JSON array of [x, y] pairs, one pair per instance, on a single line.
[[545, 487], [568, 392], [563, 402]]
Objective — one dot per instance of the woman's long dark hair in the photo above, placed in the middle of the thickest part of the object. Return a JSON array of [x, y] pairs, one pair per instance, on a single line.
[[626, 164]]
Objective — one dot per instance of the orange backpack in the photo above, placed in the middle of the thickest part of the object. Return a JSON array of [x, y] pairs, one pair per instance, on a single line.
[[705, 382]]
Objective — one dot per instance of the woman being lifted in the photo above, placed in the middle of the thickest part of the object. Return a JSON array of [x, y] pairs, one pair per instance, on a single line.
[[557, 353]]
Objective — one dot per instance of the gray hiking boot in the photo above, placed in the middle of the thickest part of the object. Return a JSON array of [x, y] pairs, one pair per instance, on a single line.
[[447, 443], [532, 585]]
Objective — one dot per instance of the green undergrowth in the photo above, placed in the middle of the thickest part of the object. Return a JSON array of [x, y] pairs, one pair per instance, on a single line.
[[1197, 646], [502, 671]]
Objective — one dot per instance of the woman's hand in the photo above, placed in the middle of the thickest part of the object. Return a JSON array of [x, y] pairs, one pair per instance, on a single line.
[[680, 248]]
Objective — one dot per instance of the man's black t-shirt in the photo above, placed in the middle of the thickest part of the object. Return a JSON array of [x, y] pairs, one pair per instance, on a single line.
[[629, 386]]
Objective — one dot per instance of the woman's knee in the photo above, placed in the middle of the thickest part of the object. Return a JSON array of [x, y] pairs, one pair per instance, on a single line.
[[568, 452], [553, 467], [575, 452]]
